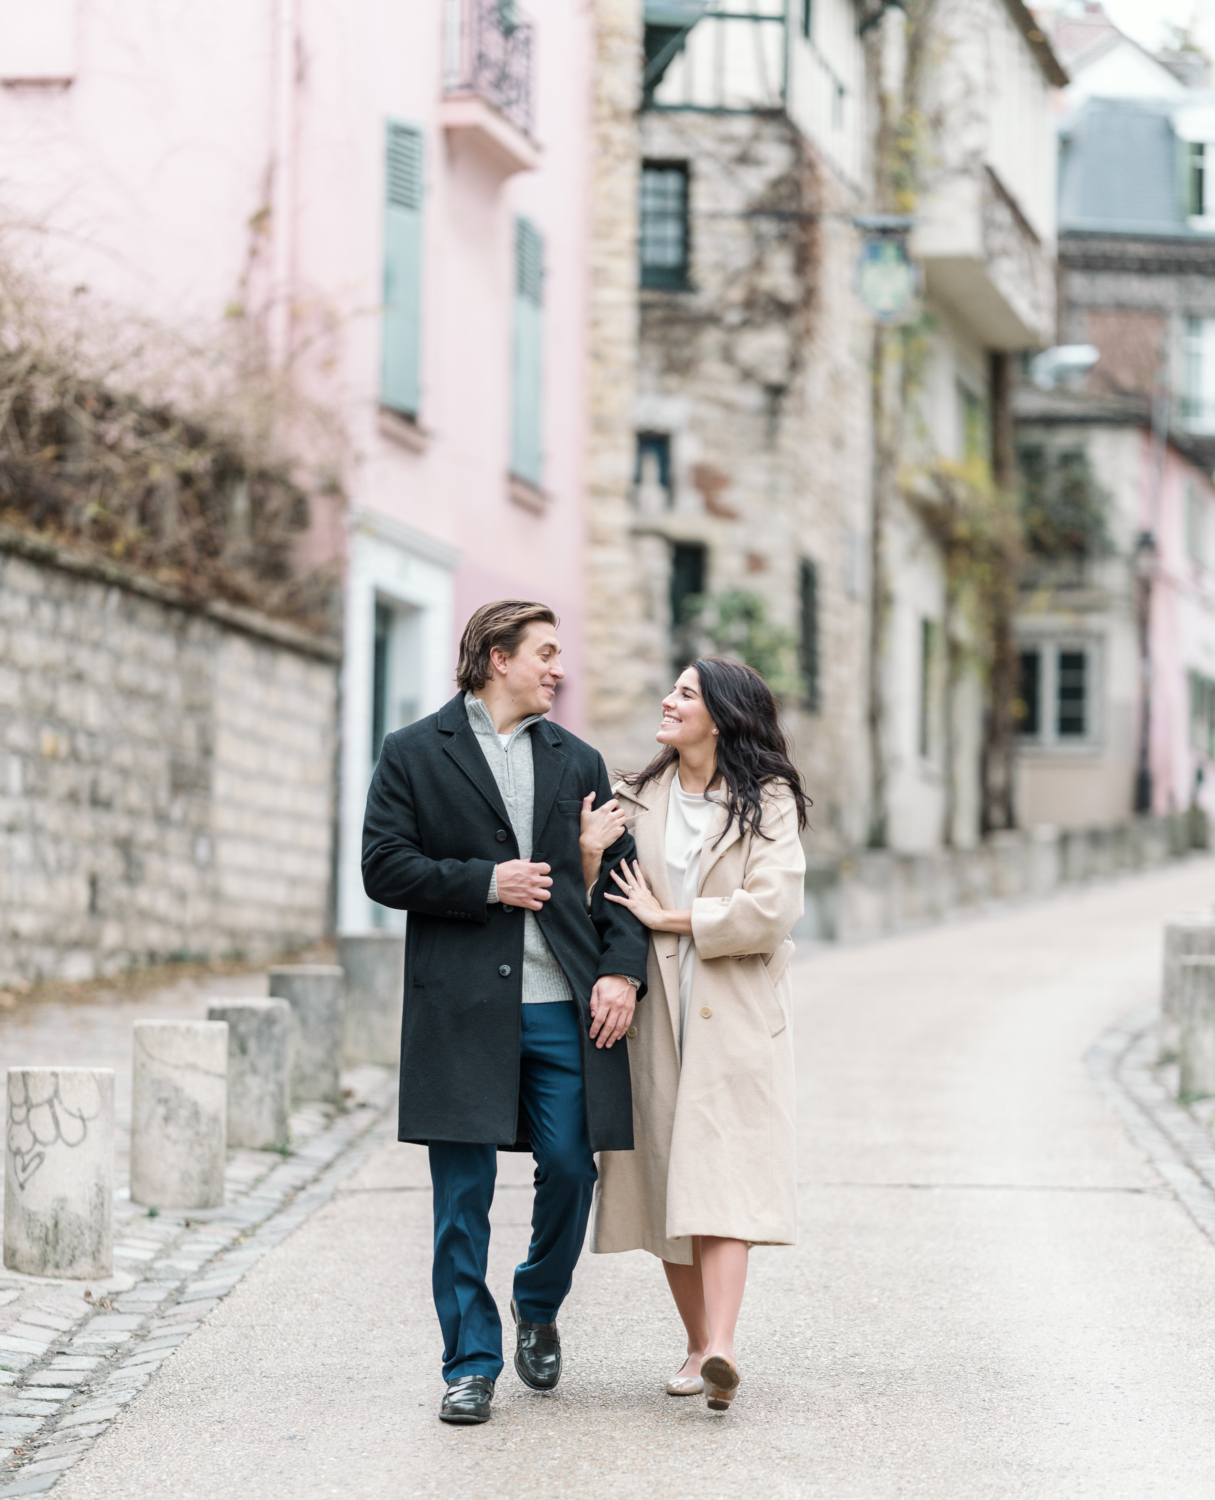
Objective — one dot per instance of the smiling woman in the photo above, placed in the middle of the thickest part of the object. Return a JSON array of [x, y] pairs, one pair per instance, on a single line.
[[718, 880]]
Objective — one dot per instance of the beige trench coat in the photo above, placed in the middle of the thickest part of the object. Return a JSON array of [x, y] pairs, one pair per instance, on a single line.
[[715, 1148]]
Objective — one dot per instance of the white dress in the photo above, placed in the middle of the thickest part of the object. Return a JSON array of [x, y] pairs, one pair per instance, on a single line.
[[688, 818]]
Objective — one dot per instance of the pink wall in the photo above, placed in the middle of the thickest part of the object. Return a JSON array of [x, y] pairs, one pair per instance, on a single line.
[[232, 153], [1182, 623]]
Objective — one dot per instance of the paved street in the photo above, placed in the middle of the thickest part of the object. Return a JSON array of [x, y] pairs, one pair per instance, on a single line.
[[993, 1294]]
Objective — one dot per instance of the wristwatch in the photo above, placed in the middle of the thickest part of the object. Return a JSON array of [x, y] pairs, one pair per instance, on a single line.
[[628, 979]]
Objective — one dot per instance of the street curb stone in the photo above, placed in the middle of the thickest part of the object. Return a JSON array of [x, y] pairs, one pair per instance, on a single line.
[[113, 1353]]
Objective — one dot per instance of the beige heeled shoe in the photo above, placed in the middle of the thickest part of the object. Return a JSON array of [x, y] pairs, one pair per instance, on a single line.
[[685, 1385], [720, 1380]]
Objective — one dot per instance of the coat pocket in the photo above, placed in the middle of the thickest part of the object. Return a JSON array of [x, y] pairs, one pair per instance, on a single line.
[[769, 995], [570, 805]]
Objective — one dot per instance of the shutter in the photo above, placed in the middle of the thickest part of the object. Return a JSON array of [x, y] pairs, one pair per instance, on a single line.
[[527, 372], [399, 379]]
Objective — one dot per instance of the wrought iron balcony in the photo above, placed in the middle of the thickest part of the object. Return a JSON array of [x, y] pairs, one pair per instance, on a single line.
[[490, 52]]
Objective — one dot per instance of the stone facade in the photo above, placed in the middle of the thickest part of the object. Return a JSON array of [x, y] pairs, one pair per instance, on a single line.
[[758, 374], [167, 785]]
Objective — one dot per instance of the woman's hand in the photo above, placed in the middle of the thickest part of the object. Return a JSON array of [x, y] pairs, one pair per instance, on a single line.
[[598, 829], [641, 901]]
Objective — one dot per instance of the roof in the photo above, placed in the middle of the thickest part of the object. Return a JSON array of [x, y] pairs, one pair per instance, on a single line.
[[1026, 23], [1120, 169]]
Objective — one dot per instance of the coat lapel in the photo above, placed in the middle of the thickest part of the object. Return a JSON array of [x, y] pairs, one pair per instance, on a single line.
[[650, 836], [548, 767], [463, 748], [712, 850]]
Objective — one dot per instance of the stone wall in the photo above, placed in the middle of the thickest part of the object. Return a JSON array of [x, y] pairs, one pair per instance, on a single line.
[[872, 892], [166, 773]]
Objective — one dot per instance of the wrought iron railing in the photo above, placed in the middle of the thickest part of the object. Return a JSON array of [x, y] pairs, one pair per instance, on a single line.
[[490, 52]]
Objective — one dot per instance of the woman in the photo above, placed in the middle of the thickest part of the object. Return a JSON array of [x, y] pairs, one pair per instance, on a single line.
[[719, 882]]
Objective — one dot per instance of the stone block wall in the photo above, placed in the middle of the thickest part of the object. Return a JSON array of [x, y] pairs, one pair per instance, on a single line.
[[166, 775], [872, 892]]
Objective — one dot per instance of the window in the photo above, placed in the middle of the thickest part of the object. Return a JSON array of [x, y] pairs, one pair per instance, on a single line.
[[400, 367], [975, 445], [664, 225], [688, 572], [928, 653], [654, 463], [527, 374], [807, 18], [1198, 406], [807, 591], [38, 42], [1196, 179], [1055, 704], [1072, 695], [1027, 710], [1202, 715], [1196, 525]]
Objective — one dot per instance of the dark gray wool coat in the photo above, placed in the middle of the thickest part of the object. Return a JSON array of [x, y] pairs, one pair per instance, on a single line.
[[435, 828]]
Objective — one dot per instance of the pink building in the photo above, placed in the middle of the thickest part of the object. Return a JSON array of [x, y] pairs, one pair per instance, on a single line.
[[399, 190], [1088, 627]]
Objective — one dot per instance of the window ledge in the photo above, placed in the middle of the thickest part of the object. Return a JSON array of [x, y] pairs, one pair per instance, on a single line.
[[527, 495], [403, 430], [470, 119], [37, 82]]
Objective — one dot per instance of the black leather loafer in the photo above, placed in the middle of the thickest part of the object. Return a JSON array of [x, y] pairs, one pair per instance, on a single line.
[[467, 1400], [537, 1352]]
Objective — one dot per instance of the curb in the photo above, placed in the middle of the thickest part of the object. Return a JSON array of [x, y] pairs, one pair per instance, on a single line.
[[1181, 1150], [107, 1356]]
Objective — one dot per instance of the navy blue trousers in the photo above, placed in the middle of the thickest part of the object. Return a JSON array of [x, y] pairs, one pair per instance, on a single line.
[[463, 1174]]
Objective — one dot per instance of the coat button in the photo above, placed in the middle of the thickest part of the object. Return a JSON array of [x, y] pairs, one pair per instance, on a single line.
[[504, 970], [706, 1012], [501, 835], [507, 908], [631, 1033]]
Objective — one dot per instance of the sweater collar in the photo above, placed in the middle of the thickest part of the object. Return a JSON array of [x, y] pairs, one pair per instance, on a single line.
[[483, 724]]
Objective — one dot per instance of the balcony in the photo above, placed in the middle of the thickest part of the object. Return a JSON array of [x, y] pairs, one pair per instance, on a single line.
[[723, 61], [983, 259], [489, 83]]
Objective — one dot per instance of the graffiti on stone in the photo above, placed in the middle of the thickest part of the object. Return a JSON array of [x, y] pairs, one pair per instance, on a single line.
[[39, 1118]]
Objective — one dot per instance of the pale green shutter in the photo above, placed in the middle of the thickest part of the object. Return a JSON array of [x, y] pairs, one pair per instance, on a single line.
[[399, 379], [528, 354]]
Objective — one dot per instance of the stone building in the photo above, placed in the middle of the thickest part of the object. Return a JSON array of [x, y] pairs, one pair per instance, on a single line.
[[1118, 639], [755, 447], [748, 438]]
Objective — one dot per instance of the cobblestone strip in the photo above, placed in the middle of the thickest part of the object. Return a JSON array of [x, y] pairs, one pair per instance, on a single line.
[[69, 1376], [1181, 1149]]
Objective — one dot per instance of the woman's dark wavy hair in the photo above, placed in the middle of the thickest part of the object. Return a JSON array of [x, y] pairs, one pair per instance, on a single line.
[[752, 751]]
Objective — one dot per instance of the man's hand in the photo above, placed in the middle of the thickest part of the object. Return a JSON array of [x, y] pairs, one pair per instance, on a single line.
[[522, 883], [612, 1002]]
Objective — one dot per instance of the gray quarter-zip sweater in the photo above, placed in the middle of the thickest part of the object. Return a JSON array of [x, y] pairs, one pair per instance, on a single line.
[[510, 760]]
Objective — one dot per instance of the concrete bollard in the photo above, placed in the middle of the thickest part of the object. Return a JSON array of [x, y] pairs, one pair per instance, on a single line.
[[259, 1070], [179, 1113], [316, 994], [1189, 933], [1196, 1026], [374, 965], [59, 1172]]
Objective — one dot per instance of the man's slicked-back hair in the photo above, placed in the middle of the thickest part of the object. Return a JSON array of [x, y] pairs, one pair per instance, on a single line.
[[501, 626]]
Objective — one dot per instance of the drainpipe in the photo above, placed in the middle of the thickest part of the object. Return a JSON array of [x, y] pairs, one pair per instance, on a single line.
[[1145, 560]]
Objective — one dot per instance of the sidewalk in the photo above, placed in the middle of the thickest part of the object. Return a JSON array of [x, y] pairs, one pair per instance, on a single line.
[[994, 1294]]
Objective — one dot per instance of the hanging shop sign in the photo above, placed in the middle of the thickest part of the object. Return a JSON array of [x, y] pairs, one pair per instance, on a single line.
[[887, 279]]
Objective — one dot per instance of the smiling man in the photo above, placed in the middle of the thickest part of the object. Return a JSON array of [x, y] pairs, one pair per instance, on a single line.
[[517, 996]]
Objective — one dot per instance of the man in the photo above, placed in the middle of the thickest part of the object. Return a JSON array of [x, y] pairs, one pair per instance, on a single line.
[[516, 995]]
